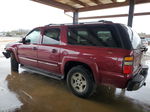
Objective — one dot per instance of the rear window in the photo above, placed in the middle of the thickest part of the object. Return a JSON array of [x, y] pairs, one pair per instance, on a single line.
[[134, 37], [91, 36]]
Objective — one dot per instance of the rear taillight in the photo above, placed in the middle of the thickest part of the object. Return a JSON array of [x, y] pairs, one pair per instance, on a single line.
[[128, 65]]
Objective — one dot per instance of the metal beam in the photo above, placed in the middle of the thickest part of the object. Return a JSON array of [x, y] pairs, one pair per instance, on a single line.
[[114, 1], [80, 2], [75, 17], [117, 15], [96, 2], [131, 12]]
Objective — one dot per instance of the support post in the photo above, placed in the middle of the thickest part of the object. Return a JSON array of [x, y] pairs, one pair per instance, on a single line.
[[131, 12], [75, 17]]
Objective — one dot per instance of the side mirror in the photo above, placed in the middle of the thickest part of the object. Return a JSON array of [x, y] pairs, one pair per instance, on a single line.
[[25, 41]]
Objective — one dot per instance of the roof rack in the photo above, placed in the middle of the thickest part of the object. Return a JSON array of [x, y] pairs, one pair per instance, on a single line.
[[100, 21], [53, 24], [59, 24], [105, 21]]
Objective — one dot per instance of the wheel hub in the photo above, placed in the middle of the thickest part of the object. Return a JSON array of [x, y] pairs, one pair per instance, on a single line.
[[78, 82]]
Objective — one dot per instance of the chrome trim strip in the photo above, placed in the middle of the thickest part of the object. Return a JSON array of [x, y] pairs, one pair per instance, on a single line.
[[47, 63], [28, 59]]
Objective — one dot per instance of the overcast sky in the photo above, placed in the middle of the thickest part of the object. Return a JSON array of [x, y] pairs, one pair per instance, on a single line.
[[25, 14]]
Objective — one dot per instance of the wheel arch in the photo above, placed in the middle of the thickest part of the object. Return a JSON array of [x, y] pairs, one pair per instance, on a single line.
[[14, 51], [70, 64]]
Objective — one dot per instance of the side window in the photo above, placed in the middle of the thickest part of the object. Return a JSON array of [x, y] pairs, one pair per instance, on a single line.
[[51, 36], [33, 37], [91, 36], [106, 37]]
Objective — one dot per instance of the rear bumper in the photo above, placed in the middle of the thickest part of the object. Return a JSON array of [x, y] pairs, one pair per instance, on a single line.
[[6, 54], [138, 80]]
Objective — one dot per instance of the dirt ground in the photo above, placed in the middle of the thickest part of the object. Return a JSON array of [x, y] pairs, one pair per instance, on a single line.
[[29, 92]]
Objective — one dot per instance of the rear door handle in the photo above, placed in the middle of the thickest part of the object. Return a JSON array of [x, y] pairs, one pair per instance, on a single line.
[[54, 51], [34, 48]]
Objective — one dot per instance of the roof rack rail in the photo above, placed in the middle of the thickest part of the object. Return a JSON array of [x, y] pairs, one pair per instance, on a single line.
[[100, 21], [52, 24], [105, 21], [88, 22], [59, 24]]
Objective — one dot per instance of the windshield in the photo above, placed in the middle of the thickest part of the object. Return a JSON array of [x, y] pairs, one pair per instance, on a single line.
[[134, 37]]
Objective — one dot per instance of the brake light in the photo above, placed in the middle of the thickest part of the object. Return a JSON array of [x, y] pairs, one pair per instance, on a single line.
[[128, 65]]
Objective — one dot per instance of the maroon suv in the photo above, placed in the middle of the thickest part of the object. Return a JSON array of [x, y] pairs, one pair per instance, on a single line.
[[83, 54]]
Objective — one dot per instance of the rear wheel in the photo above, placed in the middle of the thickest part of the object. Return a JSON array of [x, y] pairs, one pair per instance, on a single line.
[[14, 63], [80, 81]]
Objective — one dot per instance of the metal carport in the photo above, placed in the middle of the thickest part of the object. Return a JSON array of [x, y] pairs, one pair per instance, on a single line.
[[77, 6]]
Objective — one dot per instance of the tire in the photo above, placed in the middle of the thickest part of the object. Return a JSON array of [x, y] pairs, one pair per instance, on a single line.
[[14, 63], [80, 82]]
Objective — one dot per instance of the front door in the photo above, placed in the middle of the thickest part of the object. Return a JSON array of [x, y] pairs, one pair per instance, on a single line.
[[27, 52]]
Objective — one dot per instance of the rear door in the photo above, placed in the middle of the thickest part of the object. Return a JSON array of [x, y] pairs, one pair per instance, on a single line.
[[49, 50], [27, 52], [99, 44]]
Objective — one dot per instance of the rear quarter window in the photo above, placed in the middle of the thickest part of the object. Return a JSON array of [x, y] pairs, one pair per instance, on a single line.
[[91, 36]]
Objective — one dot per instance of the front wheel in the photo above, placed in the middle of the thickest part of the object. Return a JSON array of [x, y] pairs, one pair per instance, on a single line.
[[14, 63], [80, 81]]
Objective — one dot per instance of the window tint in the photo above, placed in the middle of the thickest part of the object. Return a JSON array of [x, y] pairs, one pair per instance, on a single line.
[[51, 36], [91, 36], [34, 37]]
